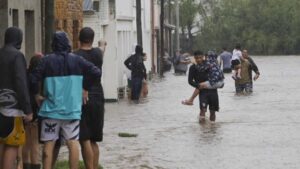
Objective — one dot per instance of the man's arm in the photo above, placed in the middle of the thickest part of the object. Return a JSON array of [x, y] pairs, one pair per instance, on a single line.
[[254, 68], [221, 62], [253, 65], [128, 62], [191, 77]]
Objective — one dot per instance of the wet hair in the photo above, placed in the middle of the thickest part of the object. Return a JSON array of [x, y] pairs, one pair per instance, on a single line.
[[198, 52], [34, 61], [86, 35]]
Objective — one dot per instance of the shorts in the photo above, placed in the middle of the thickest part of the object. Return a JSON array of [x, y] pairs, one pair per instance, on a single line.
[[209, 98], [53, 129], [234, 63], [227, 70], [246, 87], [12, 131], [92, 119]]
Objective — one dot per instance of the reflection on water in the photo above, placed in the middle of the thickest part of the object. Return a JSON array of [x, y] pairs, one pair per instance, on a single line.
[[209, 132], [259, 131]]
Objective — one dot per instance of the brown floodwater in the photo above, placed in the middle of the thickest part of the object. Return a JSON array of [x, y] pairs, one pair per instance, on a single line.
[[259, 131]]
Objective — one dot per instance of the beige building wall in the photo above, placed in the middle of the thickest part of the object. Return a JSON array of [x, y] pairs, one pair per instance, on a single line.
[[27, 16]]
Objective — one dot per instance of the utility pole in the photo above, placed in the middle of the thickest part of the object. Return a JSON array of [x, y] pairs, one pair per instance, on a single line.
[[139, 23], [49, 24], [162, 53], [153, 37], [177, 26], [170, 38]]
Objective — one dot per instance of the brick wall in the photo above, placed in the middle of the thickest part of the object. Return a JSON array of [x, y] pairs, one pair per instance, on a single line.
[[69, 18]]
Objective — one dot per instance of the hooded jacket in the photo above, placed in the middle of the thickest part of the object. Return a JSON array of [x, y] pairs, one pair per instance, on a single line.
[[14, 93], [135, 63], [62, 74]]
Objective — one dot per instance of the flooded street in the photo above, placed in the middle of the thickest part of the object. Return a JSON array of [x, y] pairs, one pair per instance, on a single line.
[[260, 131]]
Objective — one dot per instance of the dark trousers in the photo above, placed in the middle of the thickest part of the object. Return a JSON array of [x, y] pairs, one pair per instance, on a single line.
[[136, 87]]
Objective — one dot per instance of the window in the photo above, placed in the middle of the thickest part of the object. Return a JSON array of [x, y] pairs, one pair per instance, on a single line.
[[29, 34], [112, 10], [96, 5], [15, 17]]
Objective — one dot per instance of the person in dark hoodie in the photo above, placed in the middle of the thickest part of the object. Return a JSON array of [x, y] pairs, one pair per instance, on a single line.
[[14, 97], [138, 72], [92, 118], [62, 74]]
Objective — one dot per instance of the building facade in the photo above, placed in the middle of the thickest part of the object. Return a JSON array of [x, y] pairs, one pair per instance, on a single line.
[[96, 16], [27, 16], [69, 18], [115, 22]]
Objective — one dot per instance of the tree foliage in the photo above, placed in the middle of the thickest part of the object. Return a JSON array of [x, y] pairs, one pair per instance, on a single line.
[[188, 10], [261, 26]]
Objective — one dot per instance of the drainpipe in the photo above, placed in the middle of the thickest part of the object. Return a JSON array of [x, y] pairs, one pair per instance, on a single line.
[[162, 53], [139, 23], [43, 24], [49, 24], [169, 30], [177, 25], [152, 37]]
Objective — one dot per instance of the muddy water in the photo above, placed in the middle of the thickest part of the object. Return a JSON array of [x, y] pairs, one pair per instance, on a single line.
[[260, 131]]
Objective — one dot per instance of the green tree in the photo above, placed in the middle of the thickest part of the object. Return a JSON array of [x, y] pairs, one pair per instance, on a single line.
[[263, 27], [188, 12]]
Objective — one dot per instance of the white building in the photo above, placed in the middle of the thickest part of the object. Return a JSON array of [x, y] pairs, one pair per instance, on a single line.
[[115, 22]]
